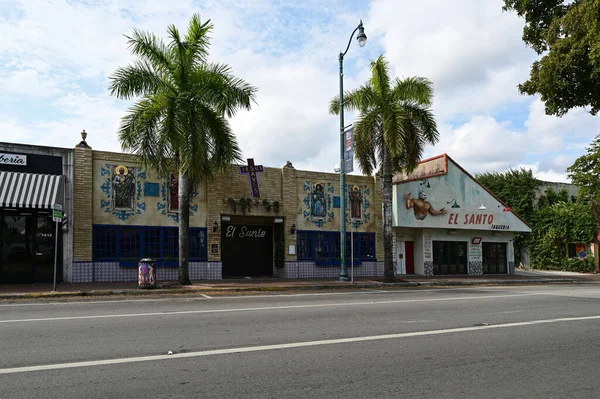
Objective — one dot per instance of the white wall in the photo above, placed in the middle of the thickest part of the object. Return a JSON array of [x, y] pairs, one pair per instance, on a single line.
[[418, 236]]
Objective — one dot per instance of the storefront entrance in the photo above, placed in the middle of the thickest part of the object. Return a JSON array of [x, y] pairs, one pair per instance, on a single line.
[[494, 258], [449, 257], [247, 248], [27, 242]]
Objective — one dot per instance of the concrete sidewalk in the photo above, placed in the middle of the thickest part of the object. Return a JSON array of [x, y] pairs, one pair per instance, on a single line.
[[224, 287]]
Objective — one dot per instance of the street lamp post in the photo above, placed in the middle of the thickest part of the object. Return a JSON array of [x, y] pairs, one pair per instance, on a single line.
[[362, 38]]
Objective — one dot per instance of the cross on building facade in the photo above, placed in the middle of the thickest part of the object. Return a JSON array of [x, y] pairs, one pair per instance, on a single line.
[[251, 171]]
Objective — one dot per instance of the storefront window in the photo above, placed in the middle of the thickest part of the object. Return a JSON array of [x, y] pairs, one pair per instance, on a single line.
[[494, 258], [449, 257]]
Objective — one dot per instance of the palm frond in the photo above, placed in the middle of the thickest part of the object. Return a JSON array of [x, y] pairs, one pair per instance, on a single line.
[[380, 79], [360, 99], [413, 89], [138, 79], [214, 84], [179, 53], [151, 49], [198, 40], [425, 121], [139, 129], [366, 132]]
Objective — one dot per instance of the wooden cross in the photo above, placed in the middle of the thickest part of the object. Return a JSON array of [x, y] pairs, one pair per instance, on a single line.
[[251, 171]]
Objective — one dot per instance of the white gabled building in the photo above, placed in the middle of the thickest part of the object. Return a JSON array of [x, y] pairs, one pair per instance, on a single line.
[[445, 222]]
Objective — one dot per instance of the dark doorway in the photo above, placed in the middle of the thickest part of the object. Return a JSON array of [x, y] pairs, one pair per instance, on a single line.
[[247, 249], [449, 257], [494, 258], [410, 257], [27, 247]]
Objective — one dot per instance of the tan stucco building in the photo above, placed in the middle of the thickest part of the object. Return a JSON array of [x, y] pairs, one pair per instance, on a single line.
[[287, 226]]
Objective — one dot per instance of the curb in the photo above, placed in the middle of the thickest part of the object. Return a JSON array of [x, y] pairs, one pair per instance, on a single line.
[[177, 290]]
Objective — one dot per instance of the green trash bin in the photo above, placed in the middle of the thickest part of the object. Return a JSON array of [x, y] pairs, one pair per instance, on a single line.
[[147, 273]]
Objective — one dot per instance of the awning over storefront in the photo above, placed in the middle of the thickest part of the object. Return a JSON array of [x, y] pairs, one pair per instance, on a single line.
[[28, 190]]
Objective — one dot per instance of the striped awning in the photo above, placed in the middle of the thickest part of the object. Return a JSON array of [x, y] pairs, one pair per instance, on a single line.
[[29, 190]]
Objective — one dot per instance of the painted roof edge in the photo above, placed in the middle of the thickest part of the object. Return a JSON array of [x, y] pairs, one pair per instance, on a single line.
[[448, 157]]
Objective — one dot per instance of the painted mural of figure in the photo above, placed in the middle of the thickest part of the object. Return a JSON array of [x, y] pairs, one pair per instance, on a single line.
[[356, 201], [123, 188], [173, 192], [421, 206], [318, 205]]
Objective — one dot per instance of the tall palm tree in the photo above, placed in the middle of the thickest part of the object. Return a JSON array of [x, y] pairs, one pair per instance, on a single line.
[[395, 124], [178, 120]]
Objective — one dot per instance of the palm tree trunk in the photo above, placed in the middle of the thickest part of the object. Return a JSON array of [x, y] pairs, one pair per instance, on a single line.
[[388, 237], [184, 230]]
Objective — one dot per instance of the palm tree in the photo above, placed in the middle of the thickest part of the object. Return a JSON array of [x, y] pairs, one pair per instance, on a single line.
[[178, 121], [394, 125]]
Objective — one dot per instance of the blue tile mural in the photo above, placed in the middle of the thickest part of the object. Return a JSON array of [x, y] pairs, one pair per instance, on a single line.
[[151, 189], [107, 204]]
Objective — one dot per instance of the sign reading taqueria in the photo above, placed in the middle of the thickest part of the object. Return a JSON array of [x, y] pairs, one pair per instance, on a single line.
[[480, 219], [13, 159]]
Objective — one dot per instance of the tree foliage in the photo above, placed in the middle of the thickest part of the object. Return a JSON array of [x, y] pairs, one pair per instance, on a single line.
[[585, 172], [557, 225], [178, 121], [556, 219], [515, 187], [395, 124], [566, 33]]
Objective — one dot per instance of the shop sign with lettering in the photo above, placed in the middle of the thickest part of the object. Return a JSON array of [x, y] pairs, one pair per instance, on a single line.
[[245, 232], [13, 159]]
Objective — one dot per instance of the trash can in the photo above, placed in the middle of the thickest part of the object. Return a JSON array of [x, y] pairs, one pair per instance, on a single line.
[[147, 273]]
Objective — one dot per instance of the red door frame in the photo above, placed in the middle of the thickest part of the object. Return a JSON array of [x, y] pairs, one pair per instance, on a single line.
[[409, 249]]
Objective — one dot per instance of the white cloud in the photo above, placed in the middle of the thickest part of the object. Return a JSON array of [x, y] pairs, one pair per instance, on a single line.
[[472, 51], [482, 144], [545, 175], [552, 133], [29, 82]]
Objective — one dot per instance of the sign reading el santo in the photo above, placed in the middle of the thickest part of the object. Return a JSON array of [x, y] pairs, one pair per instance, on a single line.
[[481, 219]]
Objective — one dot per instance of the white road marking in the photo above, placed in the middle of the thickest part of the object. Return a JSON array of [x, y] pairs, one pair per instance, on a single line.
[[206, 296], [292, 345], [267, 308], [13, 305]]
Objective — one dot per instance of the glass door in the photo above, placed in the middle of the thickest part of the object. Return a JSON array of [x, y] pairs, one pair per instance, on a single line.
[[44, 249], [494, 258], [17, 241]]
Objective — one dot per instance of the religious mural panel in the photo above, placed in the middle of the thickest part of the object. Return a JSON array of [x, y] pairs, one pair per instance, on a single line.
[[148, 196], [123, 187], [318, 205], [356, 203]]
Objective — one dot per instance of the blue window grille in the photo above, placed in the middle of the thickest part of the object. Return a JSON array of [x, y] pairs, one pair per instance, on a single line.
[[197, 243], [170, 244], [323, 247], [128, 244], [105, 242], [152, 243]]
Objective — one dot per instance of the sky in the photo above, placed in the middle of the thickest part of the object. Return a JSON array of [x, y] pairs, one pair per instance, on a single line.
[[56, 58]]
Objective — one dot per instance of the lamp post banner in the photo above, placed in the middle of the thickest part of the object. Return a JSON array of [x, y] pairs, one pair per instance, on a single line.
[[349, 150]]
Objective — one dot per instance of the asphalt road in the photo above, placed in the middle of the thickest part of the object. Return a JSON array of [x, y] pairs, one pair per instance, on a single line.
[[493, 342]]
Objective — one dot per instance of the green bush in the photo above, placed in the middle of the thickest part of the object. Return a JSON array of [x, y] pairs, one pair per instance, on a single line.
[[585, 265]]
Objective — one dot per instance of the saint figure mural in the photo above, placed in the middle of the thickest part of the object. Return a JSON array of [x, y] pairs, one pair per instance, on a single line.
[[356, 201], [123, 184], [173, 192], [422, 207], [318, 206]]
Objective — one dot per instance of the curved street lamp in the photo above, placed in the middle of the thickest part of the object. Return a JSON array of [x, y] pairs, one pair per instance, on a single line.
[[362, 39]]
